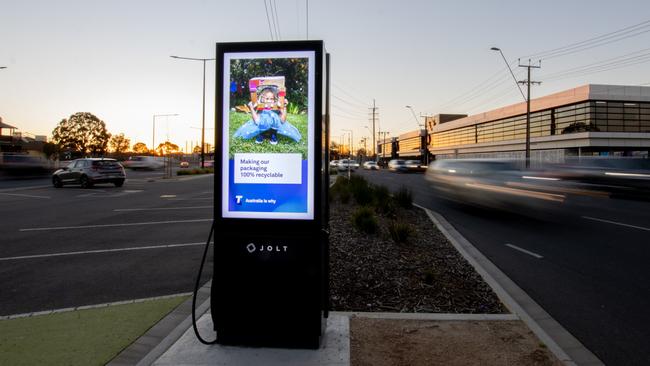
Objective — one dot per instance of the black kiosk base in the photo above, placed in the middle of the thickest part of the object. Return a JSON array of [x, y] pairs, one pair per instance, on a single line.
[[265, 293]]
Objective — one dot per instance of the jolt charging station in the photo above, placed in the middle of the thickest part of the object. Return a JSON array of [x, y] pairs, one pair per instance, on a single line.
[[271, 246]]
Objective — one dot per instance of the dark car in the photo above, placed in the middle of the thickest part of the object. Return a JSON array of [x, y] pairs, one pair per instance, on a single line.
[[87, 172]]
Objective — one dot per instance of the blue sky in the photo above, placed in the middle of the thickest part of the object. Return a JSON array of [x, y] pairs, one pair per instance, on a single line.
[[112, 58]]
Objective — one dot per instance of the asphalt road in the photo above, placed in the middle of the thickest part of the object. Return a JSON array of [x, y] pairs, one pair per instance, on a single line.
[[70, 246], [594, 274]]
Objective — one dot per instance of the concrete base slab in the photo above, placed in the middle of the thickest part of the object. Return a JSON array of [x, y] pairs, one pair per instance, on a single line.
[[334, 350]]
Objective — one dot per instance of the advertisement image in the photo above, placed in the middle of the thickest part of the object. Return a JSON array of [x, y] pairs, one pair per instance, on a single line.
[[268, 133]]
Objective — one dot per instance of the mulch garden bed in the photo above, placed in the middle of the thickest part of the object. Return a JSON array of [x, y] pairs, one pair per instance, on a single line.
[[371, 272]]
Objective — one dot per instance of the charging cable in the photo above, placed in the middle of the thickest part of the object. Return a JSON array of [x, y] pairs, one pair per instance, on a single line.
[[196, 289]]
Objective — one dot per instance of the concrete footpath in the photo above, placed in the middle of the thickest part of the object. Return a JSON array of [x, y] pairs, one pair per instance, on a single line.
[[172, 340]]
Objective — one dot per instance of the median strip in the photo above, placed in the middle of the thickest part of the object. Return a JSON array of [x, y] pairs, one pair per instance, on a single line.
[[113, 225]]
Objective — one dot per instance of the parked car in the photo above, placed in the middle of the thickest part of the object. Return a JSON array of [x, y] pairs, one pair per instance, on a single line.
[[397, 165], [414, 166], [184, 164], [144, 162], [370, 165], [87, 172], [346, 164]]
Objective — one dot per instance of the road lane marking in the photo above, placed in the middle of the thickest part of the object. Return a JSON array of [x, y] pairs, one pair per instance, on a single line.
[[112, 225], [616, 223], [190, 199], [98, 251], [525, 251], [24, 195], [168, 196], [159, 208]]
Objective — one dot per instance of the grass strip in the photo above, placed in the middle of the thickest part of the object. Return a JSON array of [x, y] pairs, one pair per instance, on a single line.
[[81, 337]]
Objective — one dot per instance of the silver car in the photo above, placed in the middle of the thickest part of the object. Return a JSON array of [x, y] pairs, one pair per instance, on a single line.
[[87, 172]]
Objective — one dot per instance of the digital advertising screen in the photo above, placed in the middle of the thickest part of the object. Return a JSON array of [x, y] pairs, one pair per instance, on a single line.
[[268, 135]]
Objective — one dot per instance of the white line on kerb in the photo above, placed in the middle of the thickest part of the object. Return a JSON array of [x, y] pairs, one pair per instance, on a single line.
[[525, 251], [98, 251], [159, 208], [112, 225], [616, 223]]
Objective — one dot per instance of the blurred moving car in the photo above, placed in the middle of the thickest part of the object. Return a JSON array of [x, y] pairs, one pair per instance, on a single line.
[[414, 166], [397, 165], [371, 165], [346, 164], [498, 184], [19, 164], [618, 176], [334, 164], [184, 164], [87, 172], [144, 162]]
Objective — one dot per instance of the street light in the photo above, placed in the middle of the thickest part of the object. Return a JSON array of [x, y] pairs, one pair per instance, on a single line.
[[153, 135], [425, 151], [203, 104], [3, 67], [526, 99], [351, 148]]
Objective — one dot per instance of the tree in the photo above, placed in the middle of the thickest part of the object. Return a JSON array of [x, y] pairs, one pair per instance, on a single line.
[[119, 143], [82, 132], [140, 148], [167, 148], [197, 149]]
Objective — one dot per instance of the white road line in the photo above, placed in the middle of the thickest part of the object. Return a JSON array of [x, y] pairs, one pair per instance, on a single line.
[[95, 306], [113, 225], [525, 251], [24, 195], [159, 208], [616, 223], [98, 251]]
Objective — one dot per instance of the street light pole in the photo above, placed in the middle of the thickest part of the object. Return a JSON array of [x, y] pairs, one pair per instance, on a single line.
[[425, 151], [153, 134], [350, 153], [526, 99], [202, 104]]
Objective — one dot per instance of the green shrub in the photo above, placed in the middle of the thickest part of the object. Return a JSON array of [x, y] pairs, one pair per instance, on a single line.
[[382, 200], [195, 171], [399, 231], [404, 197], [364, 220]]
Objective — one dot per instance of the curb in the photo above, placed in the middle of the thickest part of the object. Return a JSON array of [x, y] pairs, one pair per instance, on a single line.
[[148, 347], [559, 341]]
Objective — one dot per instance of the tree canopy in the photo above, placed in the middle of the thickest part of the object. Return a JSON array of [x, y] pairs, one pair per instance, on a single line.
[[119, 143], [82, 132], [140, 148], [167, 148]]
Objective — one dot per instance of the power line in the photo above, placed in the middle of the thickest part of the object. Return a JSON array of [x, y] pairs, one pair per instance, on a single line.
[[345, 91], [276, 17], [356, 105], [617, 33], [268, 20]]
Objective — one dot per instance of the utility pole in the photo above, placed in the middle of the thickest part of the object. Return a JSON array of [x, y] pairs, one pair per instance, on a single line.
[[528, 82], [374, 144]]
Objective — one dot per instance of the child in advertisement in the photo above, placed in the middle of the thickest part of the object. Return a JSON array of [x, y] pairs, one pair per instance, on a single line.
[[269, 114]]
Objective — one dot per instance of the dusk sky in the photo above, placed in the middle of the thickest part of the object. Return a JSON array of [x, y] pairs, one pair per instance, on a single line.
[[112, 59]]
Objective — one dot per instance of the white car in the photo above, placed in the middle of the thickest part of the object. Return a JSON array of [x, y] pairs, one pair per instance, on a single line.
[[144, 162], [370, 165], [334, 164], [345, 165]]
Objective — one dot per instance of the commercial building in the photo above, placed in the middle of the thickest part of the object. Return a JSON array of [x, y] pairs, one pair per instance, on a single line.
[[606, 120]]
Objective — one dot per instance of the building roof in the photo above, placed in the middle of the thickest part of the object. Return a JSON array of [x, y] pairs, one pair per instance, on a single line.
[[571, 96], [4, 125]]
